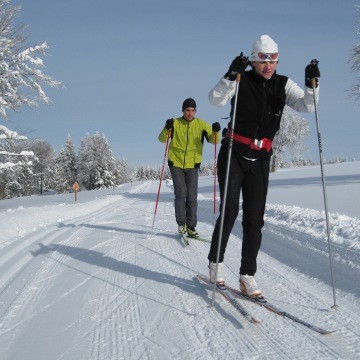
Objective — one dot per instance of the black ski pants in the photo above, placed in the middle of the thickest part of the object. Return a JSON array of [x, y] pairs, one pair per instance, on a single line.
[[252, 178], [186, 189]]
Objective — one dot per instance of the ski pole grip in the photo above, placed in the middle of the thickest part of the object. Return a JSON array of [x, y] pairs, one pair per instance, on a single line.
[[238, 77], [314, 62], [313, 81]]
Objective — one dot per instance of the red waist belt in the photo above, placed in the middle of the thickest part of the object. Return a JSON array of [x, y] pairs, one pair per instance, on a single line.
[[255, 144]]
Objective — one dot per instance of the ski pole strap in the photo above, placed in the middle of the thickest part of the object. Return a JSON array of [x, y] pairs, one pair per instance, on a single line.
[[255, 144]]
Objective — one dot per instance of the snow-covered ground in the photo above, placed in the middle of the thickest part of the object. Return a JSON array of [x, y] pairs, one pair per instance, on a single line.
[[90, 280]]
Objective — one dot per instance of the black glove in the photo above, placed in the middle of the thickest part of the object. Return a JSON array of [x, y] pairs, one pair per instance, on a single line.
[[216, 127], [169, 125], [238, 65], [312, 72]]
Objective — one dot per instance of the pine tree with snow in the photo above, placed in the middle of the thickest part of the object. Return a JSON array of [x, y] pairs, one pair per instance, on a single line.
[[96, 163], [66, 167], [145, 172], [122, 172]]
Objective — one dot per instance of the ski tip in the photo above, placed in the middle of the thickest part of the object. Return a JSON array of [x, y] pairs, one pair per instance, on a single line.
[[327, 332], [185, 239], [203, 278], [260, 299], [207, 280]]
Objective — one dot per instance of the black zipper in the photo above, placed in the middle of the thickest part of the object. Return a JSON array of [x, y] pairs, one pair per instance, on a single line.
[[265, 111], [187, 141]]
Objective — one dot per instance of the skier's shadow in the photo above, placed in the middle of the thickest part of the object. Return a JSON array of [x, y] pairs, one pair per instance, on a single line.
[[103, 227], [99, 259]]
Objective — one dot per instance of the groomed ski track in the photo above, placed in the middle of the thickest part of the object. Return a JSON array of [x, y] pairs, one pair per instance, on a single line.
[[99, 284]]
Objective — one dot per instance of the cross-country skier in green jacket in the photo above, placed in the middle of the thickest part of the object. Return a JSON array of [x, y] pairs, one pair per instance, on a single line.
[[187, 135]]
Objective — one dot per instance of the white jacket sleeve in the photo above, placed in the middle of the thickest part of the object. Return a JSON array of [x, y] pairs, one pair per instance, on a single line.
[[223, 91], [299, 99]]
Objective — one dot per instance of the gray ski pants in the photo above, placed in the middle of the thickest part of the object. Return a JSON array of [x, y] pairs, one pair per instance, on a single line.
[[185, 188]]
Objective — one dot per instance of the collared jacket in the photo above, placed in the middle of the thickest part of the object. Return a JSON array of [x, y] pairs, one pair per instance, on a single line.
[[187, 140], [260, 106]]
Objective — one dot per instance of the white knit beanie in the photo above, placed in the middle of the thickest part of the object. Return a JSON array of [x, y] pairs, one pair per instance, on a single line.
[[264, 44]]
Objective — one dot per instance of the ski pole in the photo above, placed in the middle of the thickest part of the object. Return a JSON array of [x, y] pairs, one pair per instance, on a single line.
[[161, 178], [313, 84], [215, 152], [222, 215]]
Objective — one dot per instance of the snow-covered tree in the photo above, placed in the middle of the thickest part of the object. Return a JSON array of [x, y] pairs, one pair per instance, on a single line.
[[16, 178], [355, 63], [207, 169], [7, 140], [44, 155], [26, 175], [26, 182], [122, 172], [21, 75], [145, 172], [96, 163], [12, 158], [289, 139], [66, 167]]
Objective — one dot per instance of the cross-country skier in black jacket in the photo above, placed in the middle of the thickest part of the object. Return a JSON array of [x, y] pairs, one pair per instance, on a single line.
[[262, 95]]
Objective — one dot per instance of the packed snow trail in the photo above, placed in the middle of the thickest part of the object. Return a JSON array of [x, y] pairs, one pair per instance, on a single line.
[[98, 284]]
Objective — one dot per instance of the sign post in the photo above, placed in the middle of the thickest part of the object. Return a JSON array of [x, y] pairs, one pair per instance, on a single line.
[[75, 188]]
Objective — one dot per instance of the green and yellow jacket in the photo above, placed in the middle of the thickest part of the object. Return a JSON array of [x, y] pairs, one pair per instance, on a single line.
[[187, 140]]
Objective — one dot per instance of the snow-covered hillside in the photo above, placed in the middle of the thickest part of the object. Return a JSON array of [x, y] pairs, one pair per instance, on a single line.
[[90, 280]]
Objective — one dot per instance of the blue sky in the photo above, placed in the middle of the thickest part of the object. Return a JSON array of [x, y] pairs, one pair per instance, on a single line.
[[128, 65]]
